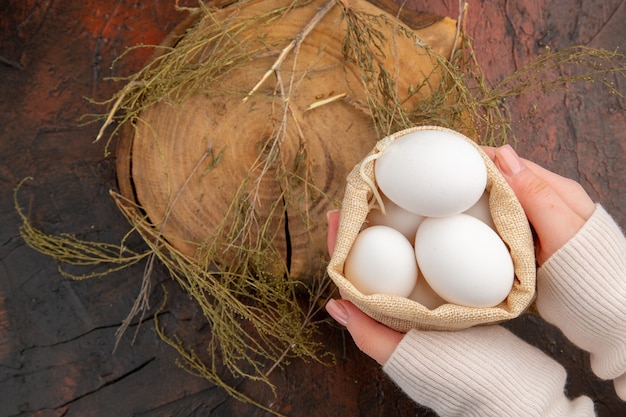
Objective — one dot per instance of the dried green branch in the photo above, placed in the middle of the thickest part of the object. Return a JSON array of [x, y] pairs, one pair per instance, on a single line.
[[70, 250]]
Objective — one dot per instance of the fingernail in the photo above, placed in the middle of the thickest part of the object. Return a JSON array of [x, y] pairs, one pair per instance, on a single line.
[[509, 162], [338, 312], [331, 213]]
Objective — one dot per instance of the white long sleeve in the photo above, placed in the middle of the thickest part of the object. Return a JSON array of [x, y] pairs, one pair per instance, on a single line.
[[582, 290], [483, 371]]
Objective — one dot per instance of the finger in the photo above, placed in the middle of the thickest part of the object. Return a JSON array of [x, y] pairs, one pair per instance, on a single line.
[[332, 217], [569, 190], [552, 217], [372, 338]]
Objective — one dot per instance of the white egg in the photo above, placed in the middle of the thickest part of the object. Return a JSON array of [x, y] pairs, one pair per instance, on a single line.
[[425, 295], [464, 261], [433, 173], [381, 261], [482, 211], [395, 216]]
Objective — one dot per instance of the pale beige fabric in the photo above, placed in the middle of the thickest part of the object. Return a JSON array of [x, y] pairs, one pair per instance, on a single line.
[[403, 314]]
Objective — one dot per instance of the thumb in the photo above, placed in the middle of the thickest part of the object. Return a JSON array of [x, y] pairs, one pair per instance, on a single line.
[[553, 219], [372, 338]]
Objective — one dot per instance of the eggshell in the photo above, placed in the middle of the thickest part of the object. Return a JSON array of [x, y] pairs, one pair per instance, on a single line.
[[482, 211], [395, 216], [433, 173], [464, 260], [381, 261]]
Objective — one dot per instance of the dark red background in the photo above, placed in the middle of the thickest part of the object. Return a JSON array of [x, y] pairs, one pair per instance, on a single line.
[[57, 335]]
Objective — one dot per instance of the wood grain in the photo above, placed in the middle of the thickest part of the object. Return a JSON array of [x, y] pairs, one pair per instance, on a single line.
[[316, 151]]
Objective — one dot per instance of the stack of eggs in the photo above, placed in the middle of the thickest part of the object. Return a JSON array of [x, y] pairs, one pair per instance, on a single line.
[[435, 242]]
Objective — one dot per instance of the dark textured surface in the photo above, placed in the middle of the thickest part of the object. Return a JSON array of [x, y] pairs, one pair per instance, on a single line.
[[57, 335]]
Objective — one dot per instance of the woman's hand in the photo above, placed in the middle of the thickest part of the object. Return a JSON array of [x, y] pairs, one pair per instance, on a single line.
[[556, 206]]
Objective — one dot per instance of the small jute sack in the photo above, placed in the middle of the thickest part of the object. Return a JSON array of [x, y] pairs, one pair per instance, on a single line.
[[403, 314]]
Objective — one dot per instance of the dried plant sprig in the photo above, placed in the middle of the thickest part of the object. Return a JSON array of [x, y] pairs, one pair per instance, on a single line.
[[71, 250], [207, 51], [464, 100], [295, 42]]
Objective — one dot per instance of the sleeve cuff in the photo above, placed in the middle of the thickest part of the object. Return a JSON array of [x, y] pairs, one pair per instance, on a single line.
[[481, 371]]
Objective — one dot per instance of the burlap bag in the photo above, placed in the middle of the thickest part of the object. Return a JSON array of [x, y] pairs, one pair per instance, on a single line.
[[403, 314]]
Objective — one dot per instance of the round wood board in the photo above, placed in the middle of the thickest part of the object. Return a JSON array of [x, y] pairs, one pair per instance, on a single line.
[[192, 164]]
